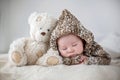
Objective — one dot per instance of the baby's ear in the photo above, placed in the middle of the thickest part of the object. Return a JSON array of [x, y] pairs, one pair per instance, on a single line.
[[31, 17]]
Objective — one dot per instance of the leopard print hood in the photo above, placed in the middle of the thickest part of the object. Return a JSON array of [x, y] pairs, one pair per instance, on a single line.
[[66, 24]]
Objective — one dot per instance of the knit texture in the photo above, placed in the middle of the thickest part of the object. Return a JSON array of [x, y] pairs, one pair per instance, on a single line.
[[68, 24]]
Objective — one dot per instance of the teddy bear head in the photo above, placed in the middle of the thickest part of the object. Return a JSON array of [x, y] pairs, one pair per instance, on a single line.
[[41, 26]]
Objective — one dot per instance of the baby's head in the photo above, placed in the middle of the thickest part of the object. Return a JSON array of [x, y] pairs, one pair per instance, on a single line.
[[69, 32], [70, 45]]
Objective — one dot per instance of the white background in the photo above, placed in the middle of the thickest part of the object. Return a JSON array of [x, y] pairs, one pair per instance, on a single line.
[[102, 17]]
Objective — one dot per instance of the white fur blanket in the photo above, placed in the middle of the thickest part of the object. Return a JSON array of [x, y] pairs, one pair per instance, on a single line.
[[62, 72]]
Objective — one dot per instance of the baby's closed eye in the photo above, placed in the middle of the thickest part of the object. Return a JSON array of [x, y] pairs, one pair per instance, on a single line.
[[73, 45], [64, 48]]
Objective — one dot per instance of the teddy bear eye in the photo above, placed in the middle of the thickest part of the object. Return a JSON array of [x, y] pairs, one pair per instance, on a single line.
[[48, 30], [40, 28]]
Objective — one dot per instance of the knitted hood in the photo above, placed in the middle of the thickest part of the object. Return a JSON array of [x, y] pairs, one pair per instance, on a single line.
[[66, 24]]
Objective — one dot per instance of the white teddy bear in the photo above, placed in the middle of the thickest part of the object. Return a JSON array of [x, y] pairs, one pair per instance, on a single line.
[[33, 50]]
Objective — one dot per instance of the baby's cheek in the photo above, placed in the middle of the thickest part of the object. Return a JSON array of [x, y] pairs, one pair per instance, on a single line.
[[79, 51], [68, 55], [81, 48], [62, 53]]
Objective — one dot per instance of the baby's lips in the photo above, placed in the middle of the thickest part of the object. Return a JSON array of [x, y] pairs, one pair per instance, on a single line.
[[74, 55]]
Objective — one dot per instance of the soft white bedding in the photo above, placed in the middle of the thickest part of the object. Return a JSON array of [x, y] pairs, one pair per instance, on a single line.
[[61, 72]]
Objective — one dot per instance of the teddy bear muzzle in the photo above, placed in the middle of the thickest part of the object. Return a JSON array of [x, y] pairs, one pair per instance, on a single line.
[[43, 33]]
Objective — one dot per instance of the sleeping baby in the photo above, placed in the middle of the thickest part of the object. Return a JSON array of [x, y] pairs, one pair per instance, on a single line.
[[75, 43]]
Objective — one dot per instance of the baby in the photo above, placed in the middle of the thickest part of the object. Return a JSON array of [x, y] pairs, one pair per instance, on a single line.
[[71, 46], [75, 43]]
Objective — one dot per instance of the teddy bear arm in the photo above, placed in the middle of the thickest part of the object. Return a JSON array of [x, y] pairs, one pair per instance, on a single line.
[[53, 58], [50, 58]]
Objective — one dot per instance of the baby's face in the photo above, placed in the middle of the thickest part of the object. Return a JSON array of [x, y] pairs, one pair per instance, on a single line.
[[70, 45]]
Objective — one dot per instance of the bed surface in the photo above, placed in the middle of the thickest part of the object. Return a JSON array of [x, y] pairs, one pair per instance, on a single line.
[[60, 72]]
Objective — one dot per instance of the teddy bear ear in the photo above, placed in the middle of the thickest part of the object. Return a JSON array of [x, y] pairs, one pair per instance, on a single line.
[[31, 17]]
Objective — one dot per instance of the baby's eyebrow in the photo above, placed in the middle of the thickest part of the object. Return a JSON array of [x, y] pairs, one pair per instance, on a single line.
[[74, 42], [63, 47]]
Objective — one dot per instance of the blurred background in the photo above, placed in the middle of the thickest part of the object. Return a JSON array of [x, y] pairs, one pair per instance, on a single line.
[[102, 17]]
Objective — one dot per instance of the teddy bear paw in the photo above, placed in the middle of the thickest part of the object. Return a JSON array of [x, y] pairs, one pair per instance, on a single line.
[[16, 57], [52, 60], [39, 54]]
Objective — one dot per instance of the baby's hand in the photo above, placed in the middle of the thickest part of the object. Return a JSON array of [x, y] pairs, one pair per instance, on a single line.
[[83, 59]]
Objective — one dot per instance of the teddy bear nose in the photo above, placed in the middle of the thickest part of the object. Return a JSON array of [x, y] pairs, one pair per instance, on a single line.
[[43, 33]]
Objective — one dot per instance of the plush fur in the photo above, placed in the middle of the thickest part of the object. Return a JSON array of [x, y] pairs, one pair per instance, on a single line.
[[27, 51]]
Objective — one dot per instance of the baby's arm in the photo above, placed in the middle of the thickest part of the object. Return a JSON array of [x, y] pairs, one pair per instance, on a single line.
[[99, 56], [100, 60]]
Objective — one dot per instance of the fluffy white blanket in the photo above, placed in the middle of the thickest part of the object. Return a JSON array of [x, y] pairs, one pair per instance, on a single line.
[[61, 72]]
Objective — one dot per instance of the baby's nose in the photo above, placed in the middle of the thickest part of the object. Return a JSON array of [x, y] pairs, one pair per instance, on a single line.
[[43, 33], [70, 50]]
